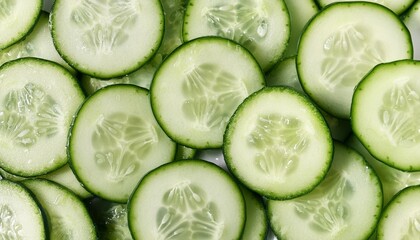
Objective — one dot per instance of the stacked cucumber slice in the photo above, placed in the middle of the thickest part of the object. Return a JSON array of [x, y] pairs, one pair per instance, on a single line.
[[199, 119]]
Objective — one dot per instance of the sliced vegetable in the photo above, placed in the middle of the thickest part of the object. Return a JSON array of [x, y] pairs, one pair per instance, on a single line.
[[191, 199], [278, 144]]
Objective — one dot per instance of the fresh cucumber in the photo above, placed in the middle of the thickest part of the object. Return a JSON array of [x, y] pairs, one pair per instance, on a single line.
[[198, 87], [37, 104], [20, 214], [256, 224], [107, 39], [392, 179], [67, 217], [38, 43], [115, 140], [190, 199], [278, 144], [398, 6], [341, 44], [172, 38], [389, 96], [17, 18], [346, 205], [263, 27], [400, 218]]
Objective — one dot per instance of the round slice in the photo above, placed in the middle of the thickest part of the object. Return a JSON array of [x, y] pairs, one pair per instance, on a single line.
[[278, 144], [400, 218], [190, 199], [17, 18], [198, 87], [346, 205], [20, 215], [115, 140], [38, 99], [389, 96], [67, 216], [341, 44], [263, 27], [106, 39]]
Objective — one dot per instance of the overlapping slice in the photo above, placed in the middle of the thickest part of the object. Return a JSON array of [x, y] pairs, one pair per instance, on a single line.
[[38, 99], [385, 110], [341, 44], [263, 27], [278, 144], [198, 87], [346, 205], [115, 140]]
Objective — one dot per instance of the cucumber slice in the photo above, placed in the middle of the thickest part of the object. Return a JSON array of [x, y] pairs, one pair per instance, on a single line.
[[67, 217], [66, 178], [256, 224], [392, 179], [20, 215], [389, 96], [115, 140], [398, 6], [400, 218], [300, 13], [346, 205], [198, 87], [172, 38], [278, 152], [37, 104], [263, 27], [17, 18], [38, 43], [191, 199], [107, 39], [341, 44], [183, 152], [411, 19]]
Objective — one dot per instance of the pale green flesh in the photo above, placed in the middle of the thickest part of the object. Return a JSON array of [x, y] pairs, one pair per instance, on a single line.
[[67, 216], [96, 37], [125, 142], [20, 216], [269, 148], [346, 204], [177, 202], [204, 90], [262, 27], [35, 114], [334, 55], [392, 91]]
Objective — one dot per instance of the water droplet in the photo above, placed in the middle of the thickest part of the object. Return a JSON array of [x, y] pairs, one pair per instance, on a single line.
[[262, 28]]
